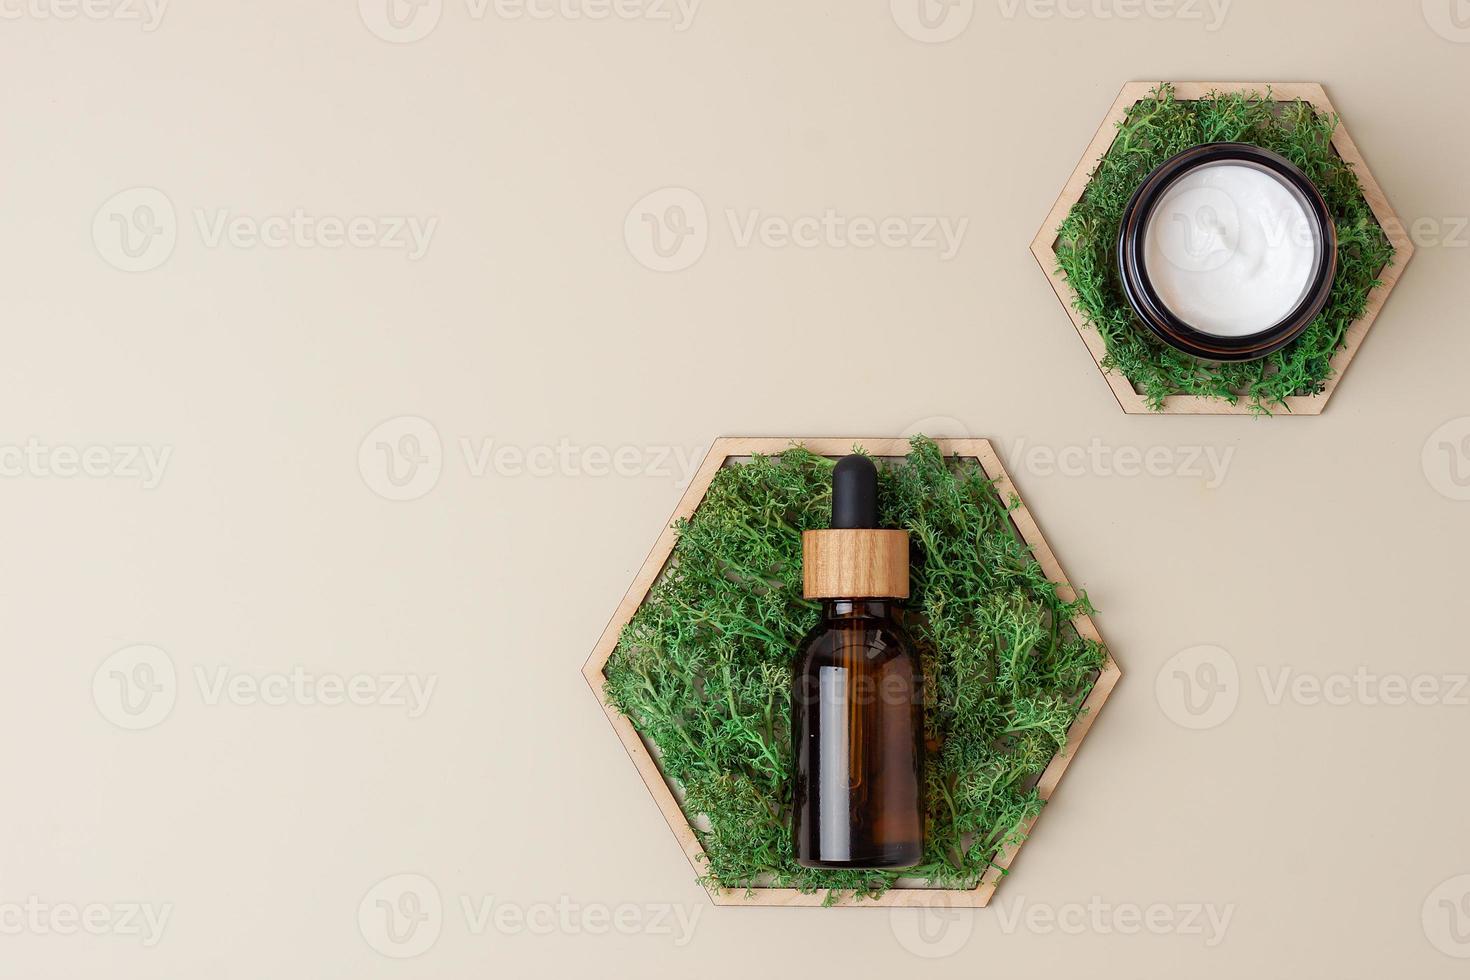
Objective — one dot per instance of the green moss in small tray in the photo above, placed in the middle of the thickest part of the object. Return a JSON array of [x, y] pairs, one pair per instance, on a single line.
[[1154, 130]]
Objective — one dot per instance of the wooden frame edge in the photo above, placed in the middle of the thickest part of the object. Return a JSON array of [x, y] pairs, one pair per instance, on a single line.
[[653, 779]]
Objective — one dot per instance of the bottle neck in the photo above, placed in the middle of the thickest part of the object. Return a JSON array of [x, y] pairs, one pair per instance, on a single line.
[[858, 608]]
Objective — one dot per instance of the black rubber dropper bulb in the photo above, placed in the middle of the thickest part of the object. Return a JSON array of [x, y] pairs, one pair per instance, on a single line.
[[855, 493]]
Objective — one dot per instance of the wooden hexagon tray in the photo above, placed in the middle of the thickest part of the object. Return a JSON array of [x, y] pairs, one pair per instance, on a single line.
[[722, 453], [1044, 245]]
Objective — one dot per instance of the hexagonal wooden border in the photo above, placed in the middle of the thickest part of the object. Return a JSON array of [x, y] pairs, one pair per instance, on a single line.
[[1043, 246], [663, 795]]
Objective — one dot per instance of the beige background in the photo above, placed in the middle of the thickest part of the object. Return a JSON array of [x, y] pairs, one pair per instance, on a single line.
[[1331, 832]]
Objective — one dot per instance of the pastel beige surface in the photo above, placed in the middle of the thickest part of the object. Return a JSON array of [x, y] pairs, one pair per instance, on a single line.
[[400, 396]]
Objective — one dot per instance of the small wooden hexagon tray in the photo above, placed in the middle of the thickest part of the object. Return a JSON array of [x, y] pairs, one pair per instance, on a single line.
[[1044, 245]]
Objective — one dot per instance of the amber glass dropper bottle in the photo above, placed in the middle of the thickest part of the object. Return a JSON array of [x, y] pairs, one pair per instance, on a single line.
[[857, 704]]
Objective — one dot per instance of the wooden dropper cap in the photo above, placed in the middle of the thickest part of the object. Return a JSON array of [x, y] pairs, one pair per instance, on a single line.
[[856, 559]]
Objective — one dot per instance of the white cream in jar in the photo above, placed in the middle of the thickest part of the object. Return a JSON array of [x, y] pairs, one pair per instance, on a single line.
[[1230, 249]]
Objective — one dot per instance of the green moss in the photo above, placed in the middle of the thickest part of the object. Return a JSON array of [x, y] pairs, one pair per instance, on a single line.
[[1158, 128], [703, 668]]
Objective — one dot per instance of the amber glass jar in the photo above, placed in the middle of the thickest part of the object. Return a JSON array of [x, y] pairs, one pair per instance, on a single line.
[[1139, 216]]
